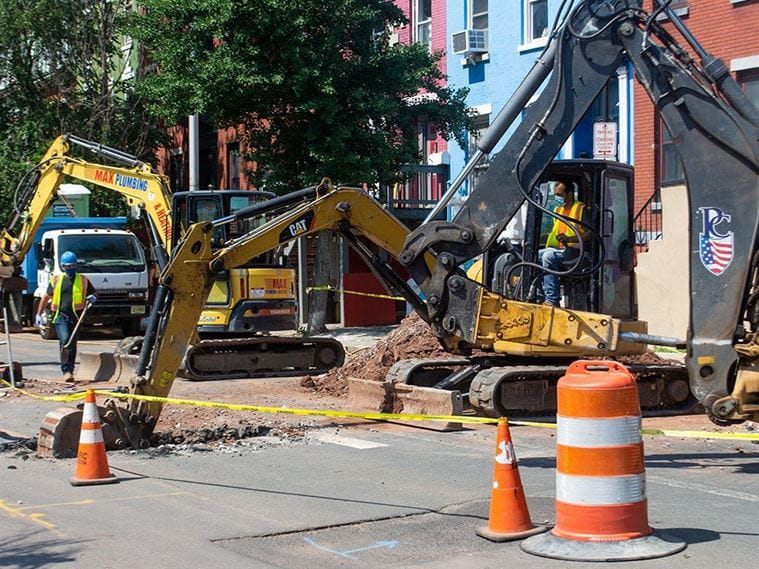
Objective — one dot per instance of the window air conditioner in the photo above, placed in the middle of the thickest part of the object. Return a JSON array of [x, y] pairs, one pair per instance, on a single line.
[[467, 42]]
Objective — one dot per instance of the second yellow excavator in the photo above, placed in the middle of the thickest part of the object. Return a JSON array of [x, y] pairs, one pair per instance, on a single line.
[[255, 298]]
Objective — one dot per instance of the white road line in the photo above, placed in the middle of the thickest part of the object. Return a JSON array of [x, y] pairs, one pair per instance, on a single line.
[[346, 441], [702, 488]]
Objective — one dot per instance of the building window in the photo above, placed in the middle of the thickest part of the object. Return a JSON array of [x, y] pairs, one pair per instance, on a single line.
[[679, 7], [423, 18], [536, 20], [479, 11], [233, 166], [176, 170], [670, 166], [480, 124], [749, 80]]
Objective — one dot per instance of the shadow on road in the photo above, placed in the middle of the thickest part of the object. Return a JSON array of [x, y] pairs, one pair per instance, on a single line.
[[725, 461], [35, 550]]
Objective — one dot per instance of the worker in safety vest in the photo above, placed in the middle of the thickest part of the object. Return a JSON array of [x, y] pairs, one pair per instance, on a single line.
[[68, 292], [562, 242]]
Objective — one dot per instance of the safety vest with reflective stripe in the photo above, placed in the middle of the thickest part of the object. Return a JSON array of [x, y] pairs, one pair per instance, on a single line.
[[575, 211], [78, 292]]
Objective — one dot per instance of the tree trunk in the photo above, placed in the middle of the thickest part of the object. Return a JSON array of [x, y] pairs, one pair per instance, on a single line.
[[325, 271]]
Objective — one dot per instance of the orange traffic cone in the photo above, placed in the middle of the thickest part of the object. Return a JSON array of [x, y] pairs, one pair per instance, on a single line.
[[509, 518], [91, 460]]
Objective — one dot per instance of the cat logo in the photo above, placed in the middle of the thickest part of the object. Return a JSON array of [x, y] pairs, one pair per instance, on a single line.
[[297, 227]]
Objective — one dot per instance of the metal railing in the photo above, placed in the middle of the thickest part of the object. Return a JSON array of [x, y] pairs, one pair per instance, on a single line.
[[648, 222], [421, 189]]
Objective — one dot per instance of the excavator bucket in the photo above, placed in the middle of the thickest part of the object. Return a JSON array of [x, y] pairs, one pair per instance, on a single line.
[[58, 436], [106, 367]]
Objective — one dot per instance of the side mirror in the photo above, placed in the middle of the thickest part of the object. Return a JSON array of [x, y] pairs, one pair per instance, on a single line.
[[48, 264]]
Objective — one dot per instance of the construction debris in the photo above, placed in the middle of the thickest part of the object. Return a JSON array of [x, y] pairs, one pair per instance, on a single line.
[[412, 339]]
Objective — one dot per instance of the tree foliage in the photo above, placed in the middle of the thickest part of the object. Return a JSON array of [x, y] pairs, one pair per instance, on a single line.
[[317, 84], [61, 64]]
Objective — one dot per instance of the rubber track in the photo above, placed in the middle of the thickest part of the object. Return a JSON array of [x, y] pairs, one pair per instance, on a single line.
[[261, 356], [487, 383]]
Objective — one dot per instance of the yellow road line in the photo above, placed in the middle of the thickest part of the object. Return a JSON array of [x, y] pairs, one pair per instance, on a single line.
[[90, 501], [35, 517], [86, 502]]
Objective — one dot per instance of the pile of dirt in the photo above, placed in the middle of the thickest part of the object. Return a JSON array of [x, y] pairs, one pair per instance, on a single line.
[[412, 339], [647, 358]]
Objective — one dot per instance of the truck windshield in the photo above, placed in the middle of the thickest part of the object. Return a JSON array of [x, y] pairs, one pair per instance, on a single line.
[[103, 253]]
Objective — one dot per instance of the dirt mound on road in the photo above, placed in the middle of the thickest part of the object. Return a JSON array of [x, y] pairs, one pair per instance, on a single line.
[[412, 339]]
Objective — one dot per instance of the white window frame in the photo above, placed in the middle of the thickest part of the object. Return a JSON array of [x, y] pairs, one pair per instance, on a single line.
[[481, 120], [419, 23], [528, 42], [486, 13]]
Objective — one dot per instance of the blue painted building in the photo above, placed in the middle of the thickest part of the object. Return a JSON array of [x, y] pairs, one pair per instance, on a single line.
[[492, 45]]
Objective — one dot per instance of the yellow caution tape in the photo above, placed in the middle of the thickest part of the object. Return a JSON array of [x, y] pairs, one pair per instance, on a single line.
[[304, 412], [465, 419], [54, 398], [371, 295], [702, 434]]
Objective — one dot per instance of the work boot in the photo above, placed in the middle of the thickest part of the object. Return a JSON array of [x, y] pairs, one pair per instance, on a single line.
[[68, 377]]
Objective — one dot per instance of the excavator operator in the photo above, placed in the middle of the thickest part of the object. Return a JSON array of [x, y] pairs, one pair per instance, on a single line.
[[561, 244]]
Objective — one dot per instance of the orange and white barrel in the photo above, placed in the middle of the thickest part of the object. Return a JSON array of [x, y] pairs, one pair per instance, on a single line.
[[601, 504], [600, 475]]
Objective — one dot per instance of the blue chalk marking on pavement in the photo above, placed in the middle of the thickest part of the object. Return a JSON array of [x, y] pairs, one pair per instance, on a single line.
[[312, 541], [390, 544]]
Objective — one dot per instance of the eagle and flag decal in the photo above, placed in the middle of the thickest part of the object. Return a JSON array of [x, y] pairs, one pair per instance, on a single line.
[[715, 248]]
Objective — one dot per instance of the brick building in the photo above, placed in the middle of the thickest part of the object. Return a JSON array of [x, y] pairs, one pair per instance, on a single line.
[[728, 29], [220, 161]]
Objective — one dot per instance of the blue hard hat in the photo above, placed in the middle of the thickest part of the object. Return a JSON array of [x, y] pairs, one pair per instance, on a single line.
[[69, 258]]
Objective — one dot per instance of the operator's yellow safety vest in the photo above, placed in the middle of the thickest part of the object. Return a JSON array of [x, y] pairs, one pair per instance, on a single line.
[[573, 212], [78, 292]]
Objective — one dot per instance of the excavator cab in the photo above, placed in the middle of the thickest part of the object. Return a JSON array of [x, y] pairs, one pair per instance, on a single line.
[[259, 296], [603, 280], [208, 205]]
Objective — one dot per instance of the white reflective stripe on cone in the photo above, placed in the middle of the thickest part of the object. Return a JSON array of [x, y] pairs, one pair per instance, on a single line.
[[91, 436], [600, 490], [598, 432], [90, 413]]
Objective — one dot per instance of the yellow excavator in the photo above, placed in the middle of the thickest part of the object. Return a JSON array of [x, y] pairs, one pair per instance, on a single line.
[[716, 131], [256, 297]]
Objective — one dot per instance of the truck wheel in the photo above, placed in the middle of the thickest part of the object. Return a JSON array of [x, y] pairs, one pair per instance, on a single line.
[[130, 327]]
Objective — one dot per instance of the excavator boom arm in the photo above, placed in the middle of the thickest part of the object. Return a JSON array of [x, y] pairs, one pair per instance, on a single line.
[[137, 183]]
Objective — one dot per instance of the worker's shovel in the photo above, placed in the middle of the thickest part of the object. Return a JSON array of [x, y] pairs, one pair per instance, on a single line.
[[74, 333]]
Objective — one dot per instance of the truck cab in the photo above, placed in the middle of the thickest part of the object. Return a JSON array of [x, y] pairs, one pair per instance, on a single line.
[[115, 263]]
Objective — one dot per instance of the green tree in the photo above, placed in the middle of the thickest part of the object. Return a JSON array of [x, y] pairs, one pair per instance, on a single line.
[[61, 64], [316, 84]]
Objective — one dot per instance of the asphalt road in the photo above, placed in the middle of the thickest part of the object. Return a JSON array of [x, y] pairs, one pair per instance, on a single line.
[[39, 358], [360, 495]]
